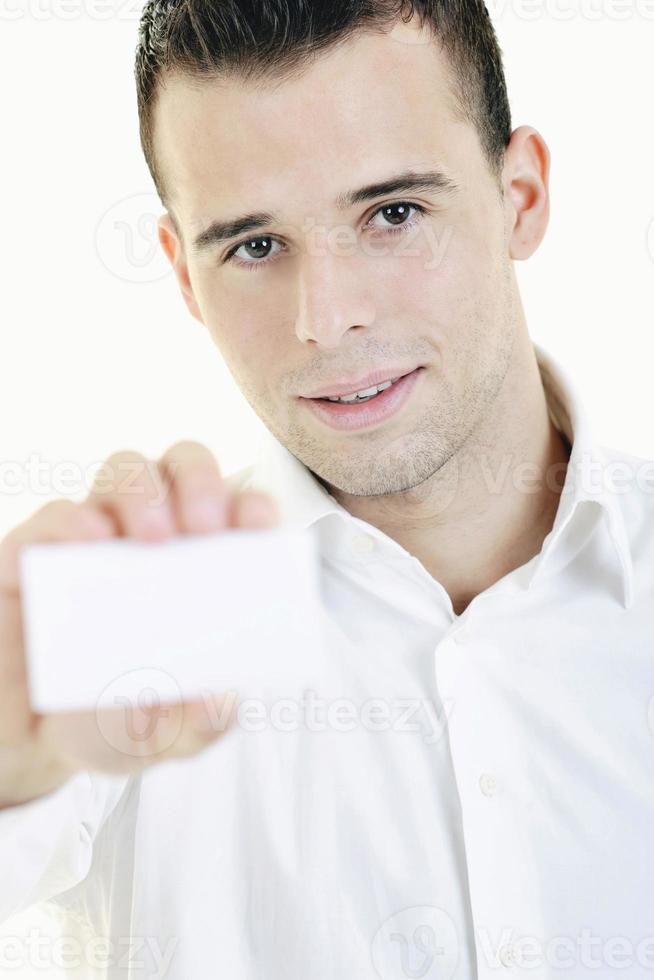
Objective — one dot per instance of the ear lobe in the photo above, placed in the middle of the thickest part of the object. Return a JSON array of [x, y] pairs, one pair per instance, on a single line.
[[175, 252], [527, 168]]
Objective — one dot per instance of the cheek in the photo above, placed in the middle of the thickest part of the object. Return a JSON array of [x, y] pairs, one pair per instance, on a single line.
[[432, 278], [261, 348], [453, 288], [241, 326], [255, 352], [249, 345], [469, 273]]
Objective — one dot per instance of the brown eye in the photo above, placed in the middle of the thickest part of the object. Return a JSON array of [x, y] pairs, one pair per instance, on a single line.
[[255, 252], [399, 211], [395, 216], [258, 245]]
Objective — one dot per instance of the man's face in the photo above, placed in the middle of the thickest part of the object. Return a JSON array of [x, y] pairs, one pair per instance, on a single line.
[[320, 295]]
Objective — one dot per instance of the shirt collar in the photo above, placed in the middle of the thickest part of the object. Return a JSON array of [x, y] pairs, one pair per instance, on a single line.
[[588, 494], [302, 500]]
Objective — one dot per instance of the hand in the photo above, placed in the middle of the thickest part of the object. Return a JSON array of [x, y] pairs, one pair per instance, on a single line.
[[133, 497]]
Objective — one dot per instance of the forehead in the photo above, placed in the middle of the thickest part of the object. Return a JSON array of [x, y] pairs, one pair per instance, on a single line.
[[374, 105]]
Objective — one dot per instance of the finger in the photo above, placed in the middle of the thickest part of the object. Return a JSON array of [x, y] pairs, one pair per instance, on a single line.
[[254, 509], [131, 490], [199, 497], [128, 740], [56, 521]]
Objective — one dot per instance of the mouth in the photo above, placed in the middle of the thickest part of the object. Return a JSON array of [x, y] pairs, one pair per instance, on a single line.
[[366, 407], [365, 395], [365, 386]]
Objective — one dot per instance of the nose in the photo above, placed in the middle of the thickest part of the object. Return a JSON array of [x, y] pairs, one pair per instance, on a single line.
[[331, 300]]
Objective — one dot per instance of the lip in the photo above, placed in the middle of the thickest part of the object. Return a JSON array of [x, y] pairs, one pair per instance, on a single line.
[[351, 418], [346, 387]]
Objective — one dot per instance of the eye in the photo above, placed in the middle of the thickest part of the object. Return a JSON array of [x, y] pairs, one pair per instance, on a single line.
[[400, 210], [263, 247]]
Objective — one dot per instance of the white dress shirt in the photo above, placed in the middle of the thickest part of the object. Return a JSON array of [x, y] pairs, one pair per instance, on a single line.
[[465, 796]]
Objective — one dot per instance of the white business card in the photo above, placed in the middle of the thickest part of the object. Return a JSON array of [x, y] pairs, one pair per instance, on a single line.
[[107, 621]]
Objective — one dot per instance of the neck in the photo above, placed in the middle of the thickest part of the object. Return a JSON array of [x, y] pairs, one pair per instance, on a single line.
[[488, 510]]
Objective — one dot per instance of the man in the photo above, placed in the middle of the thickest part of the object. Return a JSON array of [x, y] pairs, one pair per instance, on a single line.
[[469, 792]]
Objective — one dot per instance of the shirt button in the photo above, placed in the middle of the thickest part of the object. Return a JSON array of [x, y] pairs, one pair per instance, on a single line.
[[362, 544], [488, 784], [507, 955], [460, 636]]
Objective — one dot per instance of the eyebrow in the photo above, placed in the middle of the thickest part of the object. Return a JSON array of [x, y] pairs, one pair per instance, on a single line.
[[434, 181]]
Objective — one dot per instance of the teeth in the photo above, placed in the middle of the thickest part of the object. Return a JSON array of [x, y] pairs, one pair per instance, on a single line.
[[364, 395]]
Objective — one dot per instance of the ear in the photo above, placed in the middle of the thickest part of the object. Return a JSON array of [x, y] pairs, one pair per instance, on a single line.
[[526, 185], [175, 251]]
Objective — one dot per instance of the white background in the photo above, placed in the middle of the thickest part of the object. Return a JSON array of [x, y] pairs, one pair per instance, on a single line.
[[98, 350]]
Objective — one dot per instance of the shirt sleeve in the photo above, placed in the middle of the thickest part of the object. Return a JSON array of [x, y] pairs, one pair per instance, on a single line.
[[46, 845]]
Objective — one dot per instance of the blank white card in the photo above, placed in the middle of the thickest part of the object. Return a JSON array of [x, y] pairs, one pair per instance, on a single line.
[[108, 620]]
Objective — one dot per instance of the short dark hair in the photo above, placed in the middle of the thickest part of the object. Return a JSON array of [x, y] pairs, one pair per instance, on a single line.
[[262, 40]]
